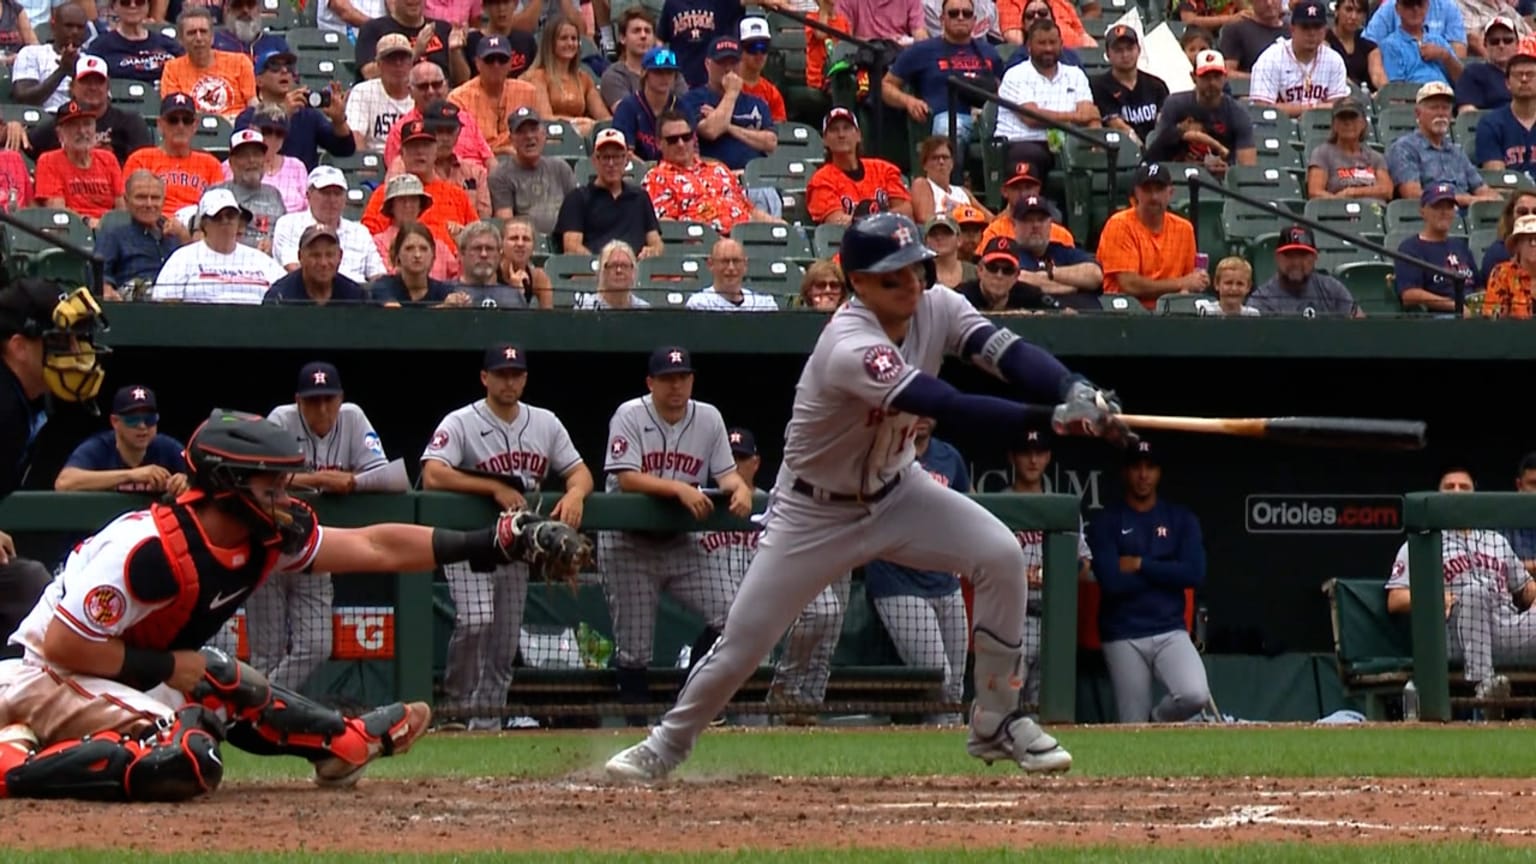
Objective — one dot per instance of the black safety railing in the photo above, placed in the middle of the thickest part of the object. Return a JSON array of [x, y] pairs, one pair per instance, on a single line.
[[876, 75], [93, 261], [1198, 182], [957, 85]]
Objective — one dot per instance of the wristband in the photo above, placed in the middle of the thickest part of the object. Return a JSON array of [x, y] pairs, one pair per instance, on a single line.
[[476, 547], [144, 669]]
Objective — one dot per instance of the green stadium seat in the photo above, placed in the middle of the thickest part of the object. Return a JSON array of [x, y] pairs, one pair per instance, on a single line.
[[1260, 253], [1271, 122], [774, 276], [826, 240], [772, 241], [1357, 216], [800, 141], [1267, 183], [569, 274], [562, 141], [56, 221], [26, 115], [1464, 132], [1208, 229], [1403, 214], [1395, 121], [1088, 170], [281, 16], [1371, 284], [1093, 60], [781, 171], [1273, 151], [1178, 304], [1484, 215], [1396, 238], [362, 167], [1122, 304], [136, 96], [1242, 224], [1508, 180], [673, 273], [312, 41], [663, 296], [692, 239], [212, 135], [315, 71], [1396, 94], [59, 265], [1315, 120], [1480, 241]]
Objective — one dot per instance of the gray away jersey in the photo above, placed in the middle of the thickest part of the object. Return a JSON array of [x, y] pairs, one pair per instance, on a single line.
[[1474, 557], [351, 445], [693, 450], [533, 446], [843, 437]]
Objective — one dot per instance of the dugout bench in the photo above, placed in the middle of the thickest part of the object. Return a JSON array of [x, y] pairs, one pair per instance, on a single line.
[[1374, 648]]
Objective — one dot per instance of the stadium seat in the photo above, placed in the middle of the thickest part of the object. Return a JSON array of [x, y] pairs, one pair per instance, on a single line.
[[1395, 121], [1507, 180], [1239, 87], [360, 168], [634, 170], [212, 135], [315, 71], [1178, 304], [1093, 60], [312, 41], [674, 273], [1208, 227], [827, 239], [1359, 217], [1480, 241], [1263, 182], [1315, 120], [1404, 214], [1088, 167], [1271, 123], [1241, 224], [282, 16], [1396, 93], [1261, 254], [562, 141], [771, 241], [1464, 132], [659, 295], [1122, 305], [774, 276], [1371, 284], [571, 272], [1484, 215], [26, 115], [57, 221], [136, 96], [800, 141], [60, 265], [693, 239]]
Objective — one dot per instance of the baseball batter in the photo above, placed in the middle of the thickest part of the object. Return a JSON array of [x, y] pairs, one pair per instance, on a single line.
[[668, 445], [850, 491], [114, 699], [502, 448], [1030, 462], [1482, 575], [288, 618], [924, 610]]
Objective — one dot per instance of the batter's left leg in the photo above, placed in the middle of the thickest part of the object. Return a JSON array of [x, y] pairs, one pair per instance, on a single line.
[[932, 527]]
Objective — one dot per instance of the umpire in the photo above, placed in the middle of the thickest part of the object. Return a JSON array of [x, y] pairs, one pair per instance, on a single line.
[[47, 349]]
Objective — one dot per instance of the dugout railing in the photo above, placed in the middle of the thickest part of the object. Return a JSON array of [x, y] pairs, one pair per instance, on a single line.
[[34, 518], [1427, 516]]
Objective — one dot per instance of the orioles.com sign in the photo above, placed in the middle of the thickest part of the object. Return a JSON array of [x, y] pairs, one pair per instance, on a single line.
[[1323, 514]]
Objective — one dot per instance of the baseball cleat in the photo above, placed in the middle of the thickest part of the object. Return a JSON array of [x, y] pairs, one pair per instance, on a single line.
[[338, 773], [1496, 687], [639, 764], [1021, 740]]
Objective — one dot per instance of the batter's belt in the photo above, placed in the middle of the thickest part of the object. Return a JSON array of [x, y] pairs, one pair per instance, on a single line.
[[810, 491]]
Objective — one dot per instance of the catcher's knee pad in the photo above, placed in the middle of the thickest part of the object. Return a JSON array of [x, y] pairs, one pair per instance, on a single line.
[[174, 763], [231, 685]]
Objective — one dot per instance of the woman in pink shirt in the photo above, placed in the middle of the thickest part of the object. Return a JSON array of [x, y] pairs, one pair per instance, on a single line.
[[897, 20]]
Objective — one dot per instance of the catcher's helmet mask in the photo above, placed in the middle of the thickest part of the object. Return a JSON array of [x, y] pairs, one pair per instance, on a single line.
[[885, 243], [230, 449]]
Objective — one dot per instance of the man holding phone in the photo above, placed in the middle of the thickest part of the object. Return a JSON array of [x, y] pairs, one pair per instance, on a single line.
[[316, 119]]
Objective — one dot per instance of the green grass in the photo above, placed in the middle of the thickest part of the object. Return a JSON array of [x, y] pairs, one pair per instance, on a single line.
[[1282, 751], [1398, 853]]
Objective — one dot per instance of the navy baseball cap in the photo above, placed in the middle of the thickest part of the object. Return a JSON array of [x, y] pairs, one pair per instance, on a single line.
[[318, 379], [1434, 193], [504, 356], [494, 46], [1035, 438], [177, 103], [670, 359], [1153, 174], [276, 52], [743, 442], [725, 48], [1310, 14], [134, 398], [1142, 451]]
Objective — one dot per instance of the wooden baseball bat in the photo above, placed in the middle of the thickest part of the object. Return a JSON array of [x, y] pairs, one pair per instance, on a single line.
[[1354, 432]]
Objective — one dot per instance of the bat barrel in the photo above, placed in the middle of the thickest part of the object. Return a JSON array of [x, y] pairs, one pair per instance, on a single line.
[[1356, 432]]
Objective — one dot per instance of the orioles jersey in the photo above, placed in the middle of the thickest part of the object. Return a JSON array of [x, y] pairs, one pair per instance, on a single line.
[[150, 579], [833, 190]]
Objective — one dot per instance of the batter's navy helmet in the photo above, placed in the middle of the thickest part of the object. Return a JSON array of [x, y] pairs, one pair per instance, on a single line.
[[882, 243]]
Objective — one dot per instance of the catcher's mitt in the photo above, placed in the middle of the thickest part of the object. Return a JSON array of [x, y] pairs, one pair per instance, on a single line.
[[553, 550]]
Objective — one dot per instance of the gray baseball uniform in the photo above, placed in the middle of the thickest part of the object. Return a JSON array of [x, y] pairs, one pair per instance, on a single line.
[[636, 565], [844, 439], [488, 607], [1482, 571], [288, 618], [1032, 542]]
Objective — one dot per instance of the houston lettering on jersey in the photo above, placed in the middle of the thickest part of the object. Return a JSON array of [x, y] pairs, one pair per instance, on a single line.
[[694, 22], [1303, 93], [714, 541], [671, 460], [1461, 564], [532, 463]]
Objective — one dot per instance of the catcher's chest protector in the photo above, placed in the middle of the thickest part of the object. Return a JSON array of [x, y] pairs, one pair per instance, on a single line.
[[205, 586]]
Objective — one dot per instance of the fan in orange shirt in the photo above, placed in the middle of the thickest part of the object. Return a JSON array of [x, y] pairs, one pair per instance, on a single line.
[[186, 172], [450, 210], [79, 176], [1023, 184], [220, 82], [847, 178], [756, 39], [1146, 251]]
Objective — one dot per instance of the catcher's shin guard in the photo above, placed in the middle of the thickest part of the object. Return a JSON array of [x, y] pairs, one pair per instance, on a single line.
[[170, 763], [291, 725]]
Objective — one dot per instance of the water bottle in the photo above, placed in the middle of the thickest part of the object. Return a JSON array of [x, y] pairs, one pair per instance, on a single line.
[[1410, 702]]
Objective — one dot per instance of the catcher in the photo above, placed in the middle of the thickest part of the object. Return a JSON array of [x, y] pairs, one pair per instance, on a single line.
[[115, 687]]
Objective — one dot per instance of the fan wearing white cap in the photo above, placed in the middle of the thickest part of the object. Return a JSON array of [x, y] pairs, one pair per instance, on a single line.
[[1204, 124], [247, 168], [122, 131], [217, 268], [327, 194]]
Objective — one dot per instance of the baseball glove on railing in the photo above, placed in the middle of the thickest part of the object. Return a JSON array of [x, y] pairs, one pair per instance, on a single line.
[[553, 550]]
